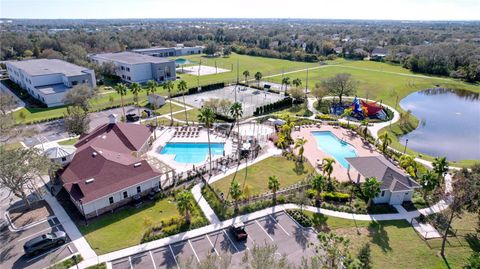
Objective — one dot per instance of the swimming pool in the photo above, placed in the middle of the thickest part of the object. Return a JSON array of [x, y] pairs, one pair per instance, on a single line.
[[192, 152], [328, 142]]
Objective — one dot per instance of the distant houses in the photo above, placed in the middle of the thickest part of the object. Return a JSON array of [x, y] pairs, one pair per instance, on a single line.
[[48, 80], [379, 53], [136, 67]]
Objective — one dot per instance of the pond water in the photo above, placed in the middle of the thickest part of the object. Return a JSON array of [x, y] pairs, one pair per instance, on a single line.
[[449, 123]]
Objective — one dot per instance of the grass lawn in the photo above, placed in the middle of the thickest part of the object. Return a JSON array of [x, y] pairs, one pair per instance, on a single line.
[[165, 109], [70, 141], [125, 228], [257, 175], [394, 244], [15, 145], [192, 115]]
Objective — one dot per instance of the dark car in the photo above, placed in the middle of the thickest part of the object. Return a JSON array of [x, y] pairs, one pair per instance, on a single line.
[[132, 117], [44, 242], [238, 231]]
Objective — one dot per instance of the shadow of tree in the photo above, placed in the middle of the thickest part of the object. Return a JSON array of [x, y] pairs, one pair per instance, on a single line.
[[473, 241], [379, 236], [301, 237], [299, 168]]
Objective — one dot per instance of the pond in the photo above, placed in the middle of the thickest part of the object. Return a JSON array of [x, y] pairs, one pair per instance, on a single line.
[[449, 123]]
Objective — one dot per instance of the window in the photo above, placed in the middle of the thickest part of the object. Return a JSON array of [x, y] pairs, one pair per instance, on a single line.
[[383, 193], [129, 78], [128, 69], [123, 68], [74, 82], [125, 194], [406, 193], [123, 76], [110, 200], [64, 159], [139, 189]]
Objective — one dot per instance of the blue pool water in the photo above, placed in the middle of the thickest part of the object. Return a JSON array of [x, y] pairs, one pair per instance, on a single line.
[[192, 152], [182, 61], [328, 142]]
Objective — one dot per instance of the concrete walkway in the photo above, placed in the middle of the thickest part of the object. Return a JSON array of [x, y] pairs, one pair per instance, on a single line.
[[203, 204]]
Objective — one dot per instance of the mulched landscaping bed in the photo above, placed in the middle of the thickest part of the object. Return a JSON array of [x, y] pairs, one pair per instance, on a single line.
[[37, 211]]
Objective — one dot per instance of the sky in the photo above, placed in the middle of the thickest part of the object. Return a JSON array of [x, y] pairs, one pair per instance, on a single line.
[[313, 9]]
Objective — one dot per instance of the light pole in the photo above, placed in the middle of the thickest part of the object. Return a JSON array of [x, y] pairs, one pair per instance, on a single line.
[[405, 149]]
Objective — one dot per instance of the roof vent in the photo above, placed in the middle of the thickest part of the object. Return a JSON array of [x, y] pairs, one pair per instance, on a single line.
[[94, 154], [137, 164], [90, 180]]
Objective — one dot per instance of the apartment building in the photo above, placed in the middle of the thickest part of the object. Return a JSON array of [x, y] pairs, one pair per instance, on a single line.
[[179, 50]]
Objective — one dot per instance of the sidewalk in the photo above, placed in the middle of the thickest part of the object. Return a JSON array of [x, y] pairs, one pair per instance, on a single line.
[[203, 204]]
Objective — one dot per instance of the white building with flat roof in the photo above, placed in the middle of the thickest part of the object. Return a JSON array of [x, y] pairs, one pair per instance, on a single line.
[[48, 80], [135, 67], [179, 50]]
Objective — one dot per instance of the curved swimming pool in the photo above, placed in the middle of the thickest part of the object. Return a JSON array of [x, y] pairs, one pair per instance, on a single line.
[[192, 152], [329, 143]]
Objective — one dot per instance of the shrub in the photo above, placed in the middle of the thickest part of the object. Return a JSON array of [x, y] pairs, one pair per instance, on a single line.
[[311, 193], [300, 217], [335, 196], [325, 117]]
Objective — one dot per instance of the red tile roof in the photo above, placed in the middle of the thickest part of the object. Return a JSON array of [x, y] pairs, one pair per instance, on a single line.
[[106, 155]]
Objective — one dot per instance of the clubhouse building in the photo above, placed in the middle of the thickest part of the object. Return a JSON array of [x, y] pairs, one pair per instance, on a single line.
[[179, 50]]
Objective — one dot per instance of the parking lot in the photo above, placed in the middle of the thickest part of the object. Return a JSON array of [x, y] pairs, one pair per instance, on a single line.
[[278, 229], [12, 254]]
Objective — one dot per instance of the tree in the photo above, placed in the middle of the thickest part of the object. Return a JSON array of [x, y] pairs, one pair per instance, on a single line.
[[184, 204], [136, 89], [80, 95], [365, 123], [386, 140], [246, 74], [7, 121], [319, 92], [182, 87], [346, 113], [340, 85], [121, 89], [440, 167], [465, 196], [76, 120], [300, 143], [211, 49], [473, 261], [318, 183], [297, 82], [297, 94], [207, 117], [258, 77], [286, 82], [168, 86], [365, 256], [20, 168], [273, 186], [327, 167], [371, 189], [408, 163], [236, 111], [236, 192], [429, 182], [28, 54], [335, 247], [227, 51], [264, 257]]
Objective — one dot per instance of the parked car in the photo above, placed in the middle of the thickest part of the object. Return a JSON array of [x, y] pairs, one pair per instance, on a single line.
[[238, 231], [44, 242], [132, 117]]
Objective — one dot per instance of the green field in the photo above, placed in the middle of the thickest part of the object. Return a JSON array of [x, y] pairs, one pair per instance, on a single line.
[[257, 175], [395, 244]]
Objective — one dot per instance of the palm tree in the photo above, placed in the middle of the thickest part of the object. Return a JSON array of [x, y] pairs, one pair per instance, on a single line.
[[440, 167], [135, 88], [386, 141], [408, 163], [169, 87], [371, 188], [318, 183], [207, 117], [327, 167], [346, 113], [184, 204], [236, 111], [273, 185], [121, 89], [297, 82], [258, 77], [286, 82], [300, 143], [429, 182], [236, 192], [364, 123], [152, 88], [246, 74], [182, 87]]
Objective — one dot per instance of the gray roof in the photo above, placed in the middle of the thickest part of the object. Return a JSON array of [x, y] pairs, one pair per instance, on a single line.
[[127, 57], [38, 67], [59, 152], [380, 51], [53, 89], [152, 49], [392, 178]]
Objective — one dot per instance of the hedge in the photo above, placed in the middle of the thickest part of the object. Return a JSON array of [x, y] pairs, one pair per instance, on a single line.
[[269, 108]]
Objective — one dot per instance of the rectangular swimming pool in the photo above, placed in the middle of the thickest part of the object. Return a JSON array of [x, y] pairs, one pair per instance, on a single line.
[[192, 152], [329, 143]]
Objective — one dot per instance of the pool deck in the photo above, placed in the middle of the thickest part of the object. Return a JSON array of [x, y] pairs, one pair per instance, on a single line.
[[166, 136], [312, 153]]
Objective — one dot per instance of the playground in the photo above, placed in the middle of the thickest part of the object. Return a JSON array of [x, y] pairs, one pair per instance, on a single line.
[[250, 98]]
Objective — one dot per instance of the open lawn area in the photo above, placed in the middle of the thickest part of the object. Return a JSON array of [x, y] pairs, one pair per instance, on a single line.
[[192, 115], [395, 244], [257, 175], [70, 141]]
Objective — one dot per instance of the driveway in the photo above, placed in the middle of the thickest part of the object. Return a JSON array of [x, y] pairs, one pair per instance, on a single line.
[[279, 229], [12, 254]]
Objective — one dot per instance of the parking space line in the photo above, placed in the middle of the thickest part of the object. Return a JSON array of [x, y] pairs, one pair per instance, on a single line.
[[130, 261], [208, 238], [263, 230], [194, 252], [229, 239], [28, 236], [151, 256], [44, 254], [278, 223], [173, 254], [69, 249]]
